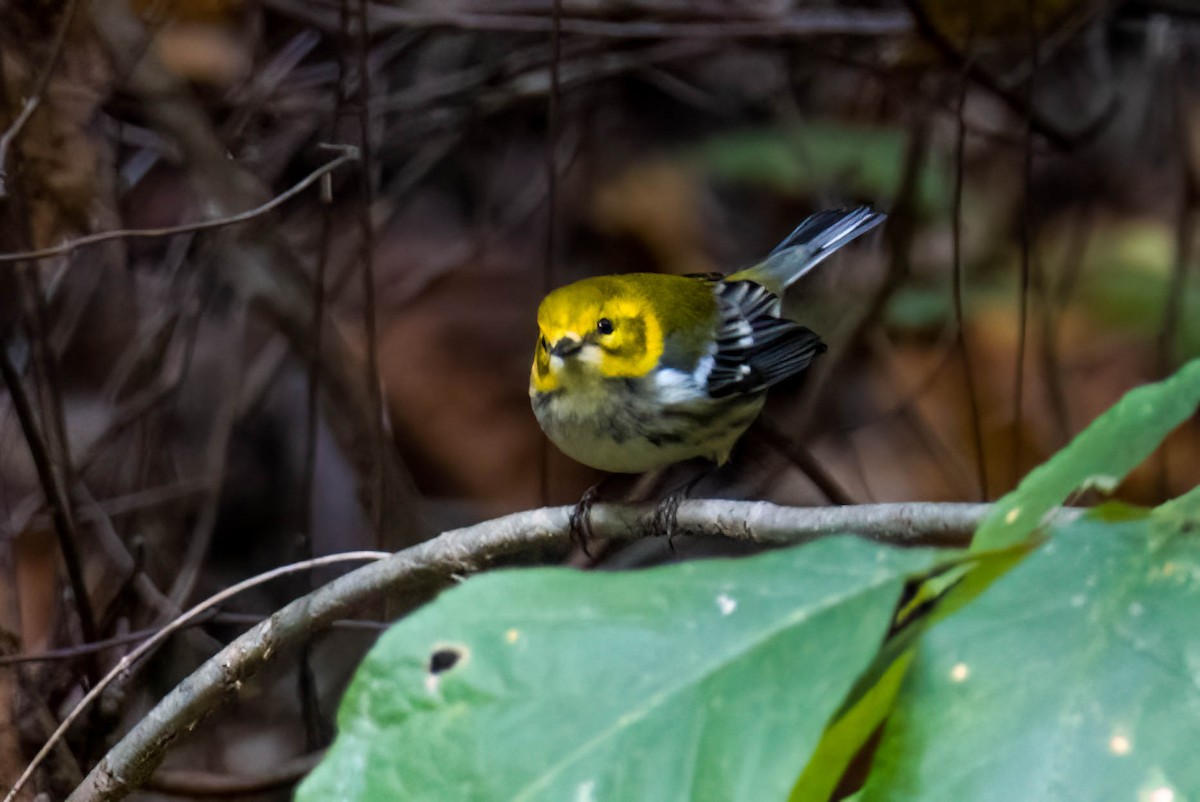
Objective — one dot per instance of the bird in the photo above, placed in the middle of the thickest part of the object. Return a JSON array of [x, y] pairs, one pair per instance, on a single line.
[[637, 371]]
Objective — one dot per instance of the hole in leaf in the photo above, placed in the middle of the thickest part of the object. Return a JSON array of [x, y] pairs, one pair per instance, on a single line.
[[443, 660]]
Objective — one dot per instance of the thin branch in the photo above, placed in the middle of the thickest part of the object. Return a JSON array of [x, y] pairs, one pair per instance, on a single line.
[[553, 132], [349, 154], [73, 652], [314, 725], [131, 762], [146, 499], [39, 89], [366, 203], [10, 136], [54, 438], [775, 438], [806, 23], [1049, 359], [1185, 235], [898, 233], [127, 662], [907, 409], [1052, 131], [56, 494], [257, 260], [121, 562], [215, 459], [960, 145], [1026, 243]]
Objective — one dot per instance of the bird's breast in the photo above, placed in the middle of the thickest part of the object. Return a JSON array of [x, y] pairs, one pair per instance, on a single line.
[[637, 425]]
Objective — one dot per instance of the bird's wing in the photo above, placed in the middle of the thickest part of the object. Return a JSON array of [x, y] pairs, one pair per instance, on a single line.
[[755, 348]]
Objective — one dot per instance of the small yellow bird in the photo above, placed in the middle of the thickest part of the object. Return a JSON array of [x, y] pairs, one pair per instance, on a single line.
[[637, 371]]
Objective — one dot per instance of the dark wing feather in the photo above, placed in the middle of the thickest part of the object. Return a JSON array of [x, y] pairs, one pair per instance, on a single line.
[[755, 347]]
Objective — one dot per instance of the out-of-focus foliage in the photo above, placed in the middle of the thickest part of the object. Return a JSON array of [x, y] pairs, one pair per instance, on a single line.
[[1129, 278], [814, 159]]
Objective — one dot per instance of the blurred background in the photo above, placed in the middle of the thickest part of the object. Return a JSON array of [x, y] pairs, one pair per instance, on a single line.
[[347, 368]]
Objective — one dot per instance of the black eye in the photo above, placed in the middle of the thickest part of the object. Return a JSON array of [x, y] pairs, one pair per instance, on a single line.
[[604, 326]]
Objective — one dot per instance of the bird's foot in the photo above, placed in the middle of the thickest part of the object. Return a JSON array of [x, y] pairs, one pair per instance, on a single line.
[[581, 517], [665, 516]]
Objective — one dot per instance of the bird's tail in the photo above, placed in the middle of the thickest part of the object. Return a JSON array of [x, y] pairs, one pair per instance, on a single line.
[[813, 240]]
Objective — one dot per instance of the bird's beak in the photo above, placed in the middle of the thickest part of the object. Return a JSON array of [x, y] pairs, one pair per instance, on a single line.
[[566, 346]]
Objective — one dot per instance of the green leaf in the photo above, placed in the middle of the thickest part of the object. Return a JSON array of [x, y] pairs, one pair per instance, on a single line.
[[1074, 676], [1100, 456], [859, 161], [1183, 512], [703, 681], [848, 735]]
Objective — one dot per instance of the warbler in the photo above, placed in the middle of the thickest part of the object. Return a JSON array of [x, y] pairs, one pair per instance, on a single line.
[[633, 372]]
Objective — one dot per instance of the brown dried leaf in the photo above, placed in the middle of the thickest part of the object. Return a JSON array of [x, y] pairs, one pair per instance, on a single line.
[[208, 54]]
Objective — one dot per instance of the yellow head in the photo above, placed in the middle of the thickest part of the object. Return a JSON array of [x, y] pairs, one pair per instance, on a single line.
[[611, 327], [597, 328]]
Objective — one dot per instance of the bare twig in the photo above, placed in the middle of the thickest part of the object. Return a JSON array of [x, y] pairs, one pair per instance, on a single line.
[[39, 90], [1184, 234], [145, 499], [10, 136], [954, 469], [898, 234], [130, 763], [48, 387], [257, 260], [811, 22], [127, 662], [214, 463], [366, 203], [314, 724], [56, 494], [1185, 237], [550, 256], [1052, 131], [122, 563], [1026, 242], [801, 458], [960, 144], [806, 23], [1047, 292], [349, 154], [72, 652]]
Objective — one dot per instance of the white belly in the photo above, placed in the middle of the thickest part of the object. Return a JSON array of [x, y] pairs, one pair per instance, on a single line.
[[628, 431]]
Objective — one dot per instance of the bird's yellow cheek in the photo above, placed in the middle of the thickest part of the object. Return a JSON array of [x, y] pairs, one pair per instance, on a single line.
[[634, 349], [542, 376]]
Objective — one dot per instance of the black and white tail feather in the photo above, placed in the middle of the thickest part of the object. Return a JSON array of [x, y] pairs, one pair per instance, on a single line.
[[754, 347], [812, 242]]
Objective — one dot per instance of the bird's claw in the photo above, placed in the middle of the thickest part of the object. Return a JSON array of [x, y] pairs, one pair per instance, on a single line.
[[665, 518], [581, 518]]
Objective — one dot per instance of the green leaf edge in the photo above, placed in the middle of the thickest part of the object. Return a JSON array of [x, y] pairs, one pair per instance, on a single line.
[[1140, 421]]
